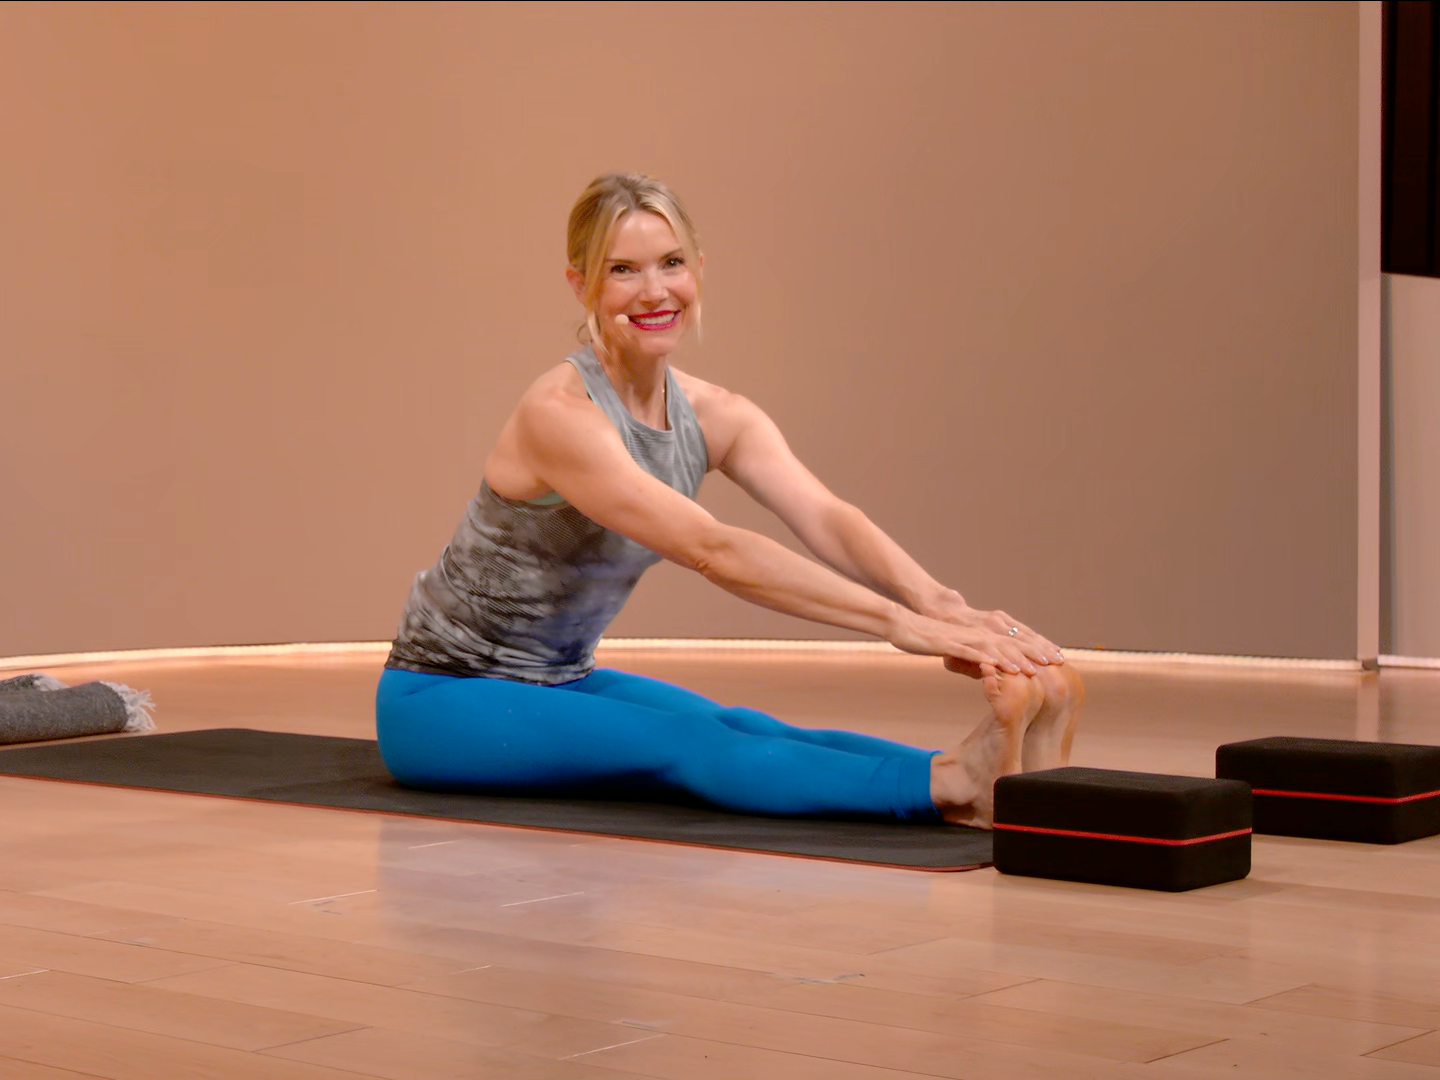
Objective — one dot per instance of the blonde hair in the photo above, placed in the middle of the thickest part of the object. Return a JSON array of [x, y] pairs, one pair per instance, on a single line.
[[593, 220]]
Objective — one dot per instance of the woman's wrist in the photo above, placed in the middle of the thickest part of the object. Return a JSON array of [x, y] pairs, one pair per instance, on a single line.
[[908, 630], [944, 604]]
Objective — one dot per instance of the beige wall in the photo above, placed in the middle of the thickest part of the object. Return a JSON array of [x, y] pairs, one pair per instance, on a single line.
[[1062, 294], [1412, 352]]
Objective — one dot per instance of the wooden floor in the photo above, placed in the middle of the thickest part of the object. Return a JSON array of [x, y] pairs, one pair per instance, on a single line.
[[146, 936]]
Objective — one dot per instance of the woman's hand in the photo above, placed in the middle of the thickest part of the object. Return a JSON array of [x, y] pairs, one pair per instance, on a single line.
[[1037, 649], [972, 649]]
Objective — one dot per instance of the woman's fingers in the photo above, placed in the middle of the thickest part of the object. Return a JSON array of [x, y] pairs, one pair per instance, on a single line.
[[965, 658], [1004, 657], [1000, 653], [965, 649], [1038, 648], [1016, 656]]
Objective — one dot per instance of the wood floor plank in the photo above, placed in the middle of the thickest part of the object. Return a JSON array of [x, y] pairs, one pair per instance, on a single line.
[[15, 1069], [99, 1050], [1112, 1039], [1220, 978], [411, 1011], [678, 1057], [1263, 1058], [709, 980], [1218, 1020], [340, 959], [953, 985], [117, 961], [948, 1055], [143, 1008], [761, 897], [1421, 1050], [341, 919], [1349, 1004], [72, 917], [817, 928], [431, 847], [982, 922], [243, 873], [22, 877], [401, 1056], [676, 944]]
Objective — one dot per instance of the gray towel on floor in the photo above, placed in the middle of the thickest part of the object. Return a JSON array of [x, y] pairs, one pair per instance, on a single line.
[[31, 682], [38, 707]]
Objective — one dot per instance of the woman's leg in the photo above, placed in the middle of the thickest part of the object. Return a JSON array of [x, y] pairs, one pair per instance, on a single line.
[[494, 735], [653, 693]]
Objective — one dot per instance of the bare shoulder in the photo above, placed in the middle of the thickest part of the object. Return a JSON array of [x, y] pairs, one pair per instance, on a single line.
[[552, 414], [557, 395], [723, 414], [560, 382], [709, 400]]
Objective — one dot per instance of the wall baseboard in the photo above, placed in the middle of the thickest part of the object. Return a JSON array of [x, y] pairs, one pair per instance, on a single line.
[[1410, 661]]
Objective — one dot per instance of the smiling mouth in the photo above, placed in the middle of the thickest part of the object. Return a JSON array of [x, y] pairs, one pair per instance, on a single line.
[[655, 320]]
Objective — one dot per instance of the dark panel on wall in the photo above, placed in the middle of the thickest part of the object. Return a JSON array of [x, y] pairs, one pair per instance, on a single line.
[[1411, 242]]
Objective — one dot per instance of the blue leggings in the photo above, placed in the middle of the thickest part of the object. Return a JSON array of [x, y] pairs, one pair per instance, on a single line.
[[616, 734]]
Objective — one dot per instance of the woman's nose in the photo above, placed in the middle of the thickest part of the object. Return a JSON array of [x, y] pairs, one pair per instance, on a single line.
[[652, 285]]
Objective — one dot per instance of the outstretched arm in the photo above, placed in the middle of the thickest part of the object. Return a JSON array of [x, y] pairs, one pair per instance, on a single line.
[[757, 457], [564, 440]]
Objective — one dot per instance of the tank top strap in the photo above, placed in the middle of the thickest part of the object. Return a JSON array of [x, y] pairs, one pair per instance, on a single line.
[[597, 385], [676, 453]]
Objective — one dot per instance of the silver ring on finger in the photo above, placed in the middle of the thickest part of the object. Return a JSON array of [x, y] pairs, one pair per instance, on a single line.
[[1012, 631]]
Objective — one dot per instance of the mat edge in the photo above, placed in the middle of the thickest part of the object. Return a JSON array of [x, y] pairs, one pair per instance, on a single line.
[[501, 825]]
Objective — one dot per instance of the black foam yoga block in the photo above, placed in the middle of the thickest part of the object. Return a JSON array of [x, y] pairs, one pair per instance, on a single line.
[[1338, 789], [1142, 830]]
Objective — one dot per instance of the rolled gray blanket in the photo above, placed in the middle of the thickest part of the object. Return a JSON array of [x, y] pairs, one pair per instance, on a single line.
[[37, 707], [31, 682]]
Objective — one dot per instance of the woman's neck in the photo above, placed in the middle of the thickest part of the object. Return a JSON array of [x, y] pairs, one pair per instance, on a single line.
[[639, 383]]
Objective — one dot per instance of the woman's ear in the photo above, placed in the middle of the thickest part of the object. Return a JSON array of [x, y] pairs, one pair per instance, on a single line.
[[577, 282], [700, 258]]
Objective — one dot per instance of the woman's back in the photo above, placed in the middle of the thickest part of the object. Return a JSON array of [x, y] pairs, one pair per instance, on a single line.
[[525, 589]]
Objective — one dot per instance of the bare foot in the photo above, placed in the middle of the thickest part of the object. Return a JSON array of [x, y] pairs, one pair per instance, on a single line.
[[962, 782], [1048, 738]]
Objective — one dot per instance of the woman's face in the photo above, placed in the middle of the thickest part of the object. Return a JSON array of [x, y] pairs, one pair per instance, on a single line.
[[649, 281]]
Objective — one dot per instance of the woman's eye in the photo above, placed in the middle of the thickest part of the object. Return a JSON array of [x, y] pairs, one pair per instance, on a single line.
[[674, 261], [620, 269]]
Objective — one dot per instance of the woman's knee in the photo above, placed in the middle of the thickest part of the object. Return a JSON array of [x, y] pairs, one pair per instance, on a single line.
[[749, 721]]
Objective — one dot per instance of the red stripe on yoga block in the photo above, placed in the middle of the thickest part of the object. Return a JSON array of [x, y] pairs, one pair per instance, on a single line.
[[1130, 839], [1348, 798]]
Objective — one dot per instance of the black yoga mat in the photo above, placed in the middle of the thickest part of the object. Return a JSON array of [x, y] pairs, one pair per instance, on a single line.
[[319, 770]]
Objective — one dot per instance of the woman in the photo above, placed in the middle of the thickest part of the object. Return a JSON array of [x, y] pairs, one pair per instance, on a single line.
[[491, 684]]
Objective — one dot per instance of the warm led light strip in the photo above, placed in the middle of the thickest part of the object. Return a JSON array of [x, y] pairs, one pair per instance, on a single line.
[[202, 652], [1409, 661], [1088, 655], [364, 648]]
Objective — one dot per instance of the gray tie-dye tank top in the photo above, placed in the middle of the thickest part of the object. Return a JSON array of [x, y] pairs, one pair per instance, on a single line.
[[524, 590]]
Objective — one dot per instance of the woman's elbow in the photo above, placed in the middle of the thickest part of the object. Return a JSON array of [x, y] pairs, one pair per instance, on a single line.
[[710, 553]]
